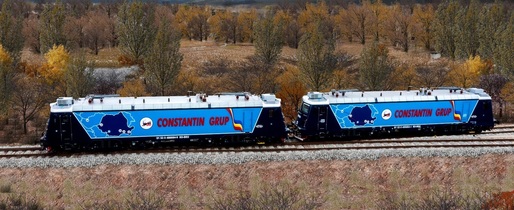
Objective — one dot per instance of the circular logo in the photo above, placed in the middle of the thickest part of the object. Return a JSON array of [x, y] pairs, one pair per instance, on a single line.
[[146, 123], [386, 114]]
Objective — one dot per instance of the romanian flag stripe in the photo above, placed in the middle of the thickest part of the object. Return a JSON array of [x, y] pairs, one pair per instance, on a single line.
[[456, 114], [238, 125]]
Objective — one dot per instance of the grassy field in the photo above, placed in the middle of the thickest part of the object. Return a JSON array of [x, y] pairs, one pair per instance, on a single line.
[[196, 52], [357, 184]]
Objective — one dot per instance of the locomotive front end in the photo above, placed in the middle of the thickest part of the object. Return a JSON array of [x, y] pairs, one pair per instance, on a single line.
[[311, 122], [59, 126]]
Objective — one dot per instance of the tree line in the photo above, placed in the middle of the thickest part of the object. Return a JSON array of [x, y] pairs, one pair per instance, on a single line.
[[476, 40]]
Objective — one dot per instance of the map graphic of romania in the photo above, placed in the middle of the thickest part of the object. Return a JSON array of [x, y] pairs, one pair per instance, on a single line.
[[361, 116], [115, 125]]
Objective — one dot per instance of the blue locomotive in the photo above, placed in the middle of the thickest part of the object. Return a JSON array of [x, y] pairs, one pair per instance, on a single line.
[[107, 121], [352, 113]]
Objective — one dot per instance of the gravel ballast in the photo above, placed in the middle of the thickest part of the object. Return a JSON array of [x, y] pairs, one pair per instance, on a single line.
[[243, 157]]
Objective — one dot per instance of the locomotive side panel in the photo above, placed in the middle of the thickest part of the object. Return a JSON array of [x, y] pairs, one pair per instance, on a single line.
[[124, 129], [167, 123], [403, 114]]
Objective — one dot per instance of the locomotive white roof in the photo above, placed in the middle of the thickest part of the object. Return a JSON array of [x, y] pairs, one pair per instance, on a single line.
[[355, 96], [109, 103]]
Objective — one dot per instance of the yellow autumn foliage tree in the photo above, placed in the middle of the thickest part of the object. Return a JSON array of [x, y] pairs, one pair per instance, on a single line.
[[6, 77], [283, 16], [316, 17], [467, 74], [380, 13], [223, 26], [192, 21], [343, 80], [246, 21], [507, 94], [182, 17], [291, 30], [52, 71], [313, 13], [291, 91], [5, 58], [423, 17], [403, 77], [132, 88], [188, 80]]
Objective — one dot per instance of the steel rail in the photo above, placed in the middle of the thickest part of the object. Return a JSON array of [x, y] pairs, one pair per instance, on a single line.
[[17, 152]]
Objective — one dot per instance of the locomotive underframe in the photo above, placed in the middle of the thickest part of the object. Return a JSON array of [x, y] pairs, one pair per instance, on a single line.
[[141, 143], [382, 132], [153, 142]]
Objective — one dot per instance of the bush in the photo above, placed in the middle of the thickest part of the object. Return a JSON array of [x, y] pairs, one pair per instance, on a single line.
[[108, 205], [5, 188], [18, 201], [283, 196], [439, 199], [144, 201], [502, 200]]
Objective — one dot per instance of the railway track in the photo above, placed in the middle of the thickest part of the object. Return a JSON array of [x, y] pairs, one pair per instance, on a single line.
[[294, 147], [356, 145], [483, 140], [21, 151]]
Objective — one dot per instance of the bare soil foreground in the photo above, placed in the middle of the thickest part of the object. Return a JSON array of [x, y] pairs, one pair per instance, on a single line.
[[358, 184]]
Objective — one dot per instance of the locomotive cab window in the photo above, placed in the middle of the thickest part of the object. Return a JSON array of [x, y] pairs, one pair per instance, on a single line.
[[305, 108], [486, 105]]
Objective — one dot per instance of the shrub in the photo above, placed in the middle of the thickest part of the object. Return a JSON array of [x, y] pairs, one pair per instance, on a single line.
[[144, 201], [5, 188], [282, 196], [107, 205], [441, 199], [502, 200], [18, 201]]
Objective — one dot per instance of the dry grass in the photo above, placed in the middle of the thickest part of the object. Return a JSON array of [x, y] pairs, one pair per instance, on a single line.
[[197, 52], [357, 184], [107, 57], [32, 58]]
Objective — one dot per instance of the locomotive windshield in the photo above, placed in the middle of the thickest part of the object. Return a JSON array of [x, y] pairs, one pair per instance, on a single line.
[[305, 108]]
